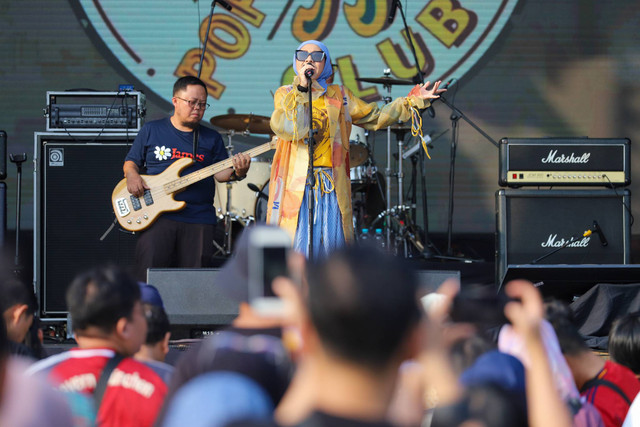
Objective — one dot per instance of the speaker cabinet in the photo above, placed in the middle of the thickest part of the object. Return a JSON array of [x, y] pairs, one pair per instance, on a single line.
[[75, 176], [532, 227]]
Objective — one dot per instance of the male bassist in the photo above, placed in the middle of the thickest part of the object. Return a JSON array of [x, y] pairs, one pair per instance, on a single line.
[[182, 238]]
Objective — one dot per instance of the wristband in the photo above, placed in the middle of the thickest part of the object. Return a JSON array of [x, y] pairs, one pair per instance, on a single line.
[[235, 176]]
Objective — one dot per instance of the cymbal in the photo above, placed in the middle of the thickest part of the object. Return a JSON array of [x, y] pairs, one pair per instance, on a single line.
[[385, 81], [243, 123]]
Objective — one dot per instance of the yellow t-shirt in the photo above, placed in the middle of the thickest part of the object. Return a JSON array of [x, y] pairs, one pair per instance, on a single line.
[[322, 151]]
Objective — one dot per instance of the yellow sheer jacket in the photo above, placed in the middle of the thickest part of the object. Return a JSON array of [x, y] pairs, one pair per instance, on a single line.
[[290, 123]]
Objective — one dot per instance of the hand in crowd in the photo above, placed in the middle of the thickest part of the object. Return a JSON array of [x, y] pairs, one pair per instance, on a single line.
[[526, 311]]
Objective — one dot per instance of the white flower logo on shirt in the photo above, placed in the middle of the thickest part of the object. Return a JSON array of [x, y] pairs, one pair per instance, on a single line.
[[162, 153]]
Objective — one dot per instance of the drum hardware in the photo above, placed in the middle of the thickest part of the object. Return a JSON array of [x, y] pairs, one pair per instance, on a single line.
[[243, 124], [403, 228], [385, 80], [241, 202], [400, 130]]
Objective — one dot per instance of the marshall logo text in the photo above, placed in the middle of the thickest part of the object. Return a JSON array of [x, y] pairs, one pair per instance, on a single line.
[[554, 158], [553, 242]]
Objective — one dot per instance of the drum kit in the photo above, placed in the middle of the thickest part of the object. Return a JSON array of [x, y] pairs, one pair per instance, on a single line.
[[245, 203]]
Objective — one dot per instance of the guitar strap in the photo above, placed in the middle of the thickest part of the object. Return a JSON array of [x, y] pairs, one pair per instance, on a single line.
[[101, 387]]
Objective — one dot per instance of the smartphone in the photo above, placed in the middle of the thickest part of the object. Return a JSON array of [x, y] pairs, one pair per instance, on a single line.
[[480, 306], [268, 251]]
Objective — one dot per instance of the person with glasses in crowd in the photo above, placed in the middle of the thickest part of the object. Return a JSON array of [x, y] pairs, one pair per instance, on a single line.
[[335, 109], [181, 238]]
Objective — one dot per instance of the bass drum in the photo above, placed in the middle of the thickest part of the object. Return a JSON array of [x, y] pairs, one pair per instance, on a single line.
[[243, 200], [358, 147], [261, 204]]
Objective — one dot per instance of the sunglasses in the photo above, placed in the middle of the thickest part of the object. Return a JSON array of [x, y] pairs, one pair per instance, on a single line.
[[317, 56]]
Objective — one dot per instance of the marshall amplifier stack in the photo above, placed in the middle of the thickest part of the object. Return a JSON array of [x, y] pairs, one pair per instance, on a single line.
[[556, 224]]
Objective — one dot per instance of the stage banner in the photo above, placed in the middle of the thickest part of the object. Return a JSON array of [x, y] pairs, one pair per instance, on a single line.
[[250, 49]]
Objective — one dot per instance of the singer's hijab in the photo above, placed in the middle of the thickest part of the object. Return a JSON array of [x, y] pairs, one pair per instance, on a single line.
[[327, 71]]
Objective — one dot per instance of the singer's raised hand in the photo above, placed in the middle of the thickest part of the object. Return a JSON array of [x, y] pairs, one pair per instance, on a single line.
[[433, 93]]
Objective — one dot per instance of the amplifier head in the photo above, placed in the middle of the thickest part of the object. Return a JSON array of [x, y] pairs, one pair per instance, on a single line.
[[564, 161]]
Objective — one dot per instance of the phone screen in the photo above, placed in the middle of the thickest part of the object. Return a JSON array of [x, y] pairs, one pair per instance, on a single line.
[[274, 264]]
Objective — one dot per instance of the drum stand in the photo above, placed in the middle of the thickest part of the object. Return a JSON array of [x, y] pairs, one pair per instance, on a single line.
[[228, 216], [404, 230]]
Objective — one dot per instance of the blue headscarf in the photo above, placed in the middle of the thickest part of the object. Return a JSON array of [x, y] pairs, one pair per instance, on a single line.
[[327, 71]]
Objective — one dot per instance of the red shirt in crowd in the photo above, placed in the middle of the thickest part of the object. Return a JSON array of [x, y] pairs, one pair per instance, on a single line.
[[612, 406], [134, 393]]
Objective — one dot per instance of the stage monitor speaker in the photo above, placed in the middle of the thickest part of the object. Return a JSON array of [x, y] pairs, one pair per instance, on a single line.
[[430, 280], [191, 296], [532, 226], [75, 176]]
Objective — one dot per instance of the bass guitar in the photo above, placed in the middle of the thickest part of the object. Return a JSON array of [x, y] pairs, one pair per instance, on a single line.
[[137, 213]]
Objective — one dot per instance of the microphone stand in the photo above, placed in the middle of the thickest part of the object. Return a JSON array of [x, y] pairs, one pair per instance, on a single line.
[[204, 49], [419, 78], [456, 115], [196, 131], [18, 159], [311, 179]]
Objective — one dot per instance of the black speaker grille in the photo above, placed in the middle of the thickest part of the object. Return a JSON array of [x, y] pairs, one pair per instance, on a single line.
[[534, 223], [77, 182]]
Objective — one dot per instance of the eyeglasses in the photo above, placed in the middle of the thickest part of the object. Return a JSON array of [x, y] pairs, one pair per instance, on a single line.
[[317, 56], [193, 104]]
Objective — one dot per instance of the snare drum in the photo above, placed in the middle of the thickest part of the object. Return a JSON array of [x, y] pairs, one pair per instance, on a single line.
[[361, 176], [243, 200], [358, 147]]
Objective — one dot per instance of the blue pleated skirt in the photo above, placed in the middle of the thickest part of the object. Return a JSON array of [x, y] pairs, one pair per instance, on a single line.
[[328, 234]]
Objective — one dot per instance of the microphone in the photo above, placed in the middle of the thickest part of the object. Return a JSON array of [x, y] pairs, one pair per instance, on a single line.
[[223, 4], [392, 11], [308, 73], [255, 188], [597, 229], [451, 82]]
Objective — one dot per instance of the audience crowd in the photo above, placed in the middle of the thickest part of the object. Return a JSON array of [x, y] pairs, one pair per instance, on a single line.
[[354, 341]]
